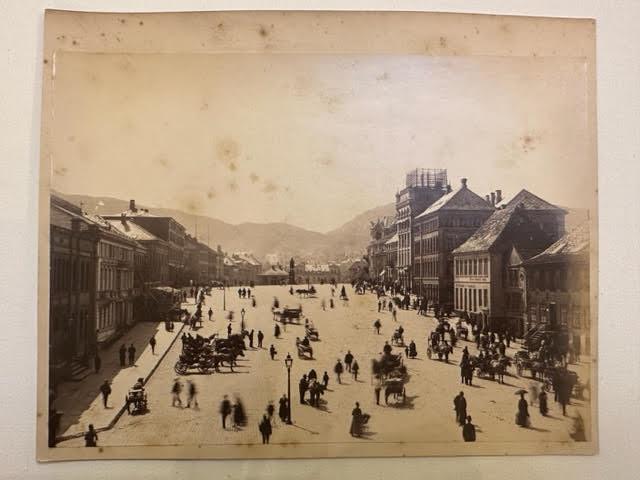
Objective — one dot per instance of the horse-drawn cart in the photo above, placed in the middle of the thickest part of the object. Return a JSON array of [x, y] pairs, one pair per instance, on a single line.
[[287, 315], [311, 332], [304, 349]]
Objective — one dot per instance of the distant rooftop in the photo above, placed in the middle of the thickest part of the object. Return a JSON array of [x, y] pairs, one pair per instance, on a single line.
[[572, 246]]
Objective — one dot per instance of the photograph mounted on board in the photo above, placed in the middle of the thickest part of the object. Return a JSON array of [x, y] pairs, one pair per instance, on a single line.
[[317, 234]]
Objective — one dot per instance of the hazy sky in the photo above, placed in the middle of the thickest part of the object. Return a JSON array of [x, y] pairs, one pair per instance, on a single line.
[[314, 140]]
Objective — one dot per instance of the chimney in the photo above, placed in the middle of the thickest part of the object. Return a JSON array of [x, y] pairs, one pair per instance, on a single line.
[[463, 181], [493, 199], [132, 206], [123, 218], [487, 198], [498, 196]]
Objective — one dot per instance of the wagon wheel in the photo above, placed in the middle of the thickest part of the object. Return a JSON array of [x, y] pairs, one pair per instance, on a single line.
[[180, 368], [204, 368]]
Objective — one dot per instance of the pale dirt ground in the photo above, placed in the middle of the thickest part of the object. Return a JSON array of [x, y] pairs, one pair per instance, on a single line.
[[427, 417]]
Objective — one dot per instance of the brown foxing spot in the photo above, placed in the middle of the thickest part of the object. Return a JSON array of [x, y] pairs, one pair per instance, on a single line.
[[263, 31], [71, 138], [103, 34], [45, 61], [220, 25], [162, 161], [60, 171], [232, 185], [528, 142], [74, 42], [325, 161], [191, 205], [232, 166], [228, 149], [443, 42], [100, 450], [123, 21], [211, 194], [270, 187], [140, 23], [505, 28], [383, 77], [253, 177], [204, 106]]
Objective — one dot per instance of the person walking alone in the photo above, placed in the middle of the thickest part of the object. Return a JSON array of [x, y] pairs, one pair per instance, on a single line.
[[265, 429], [152, 343], [325, 379], [225, 411], [348, 358], [132, 354], [210, 313], [469, 431], [91, 437], [338, 369], [192, 395], [105, 390], [123, 355], [354, 369], [260, 338], [460, 406], [377, 326], [175, 393], [228, 330], [272, 352]]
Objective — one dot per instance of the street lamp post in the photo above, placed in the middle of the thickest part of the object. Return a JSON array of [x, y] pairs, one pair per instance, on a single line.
[[288, 362], [224, 296]]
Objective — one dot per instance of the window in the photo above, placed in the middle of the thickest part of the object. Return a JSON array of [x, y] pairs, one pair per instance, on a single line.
[[486, 298]]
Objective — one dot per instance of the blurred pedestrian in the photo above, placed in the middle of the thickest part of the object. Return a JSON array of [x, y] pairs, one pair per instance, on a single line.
[[260, 338], [123, 354], [325, 379], [376, 390], [377, 326], [270, 410], [210, 313], [469, 431], [132, 354], [460, 406], [91, 437], [228, 330], [265, 429], [338, 369], [97, 363], [303, 385], [225, 410], [192, 394], [522, 416], [239, 416], [105, 390], [175, 393], [272, 352], [251, 338], [152, 343], [542, 402], [355, 368], [283, 410]]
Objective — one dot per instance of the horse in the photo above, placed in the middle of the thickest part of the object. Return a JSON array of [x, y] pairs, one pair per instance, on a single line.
[[396, 389], [316, 389]]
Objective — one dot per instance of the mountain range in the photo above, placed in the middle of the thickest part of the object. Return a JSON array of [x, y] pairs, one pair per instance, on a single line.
[[282, 239], [285, 240]]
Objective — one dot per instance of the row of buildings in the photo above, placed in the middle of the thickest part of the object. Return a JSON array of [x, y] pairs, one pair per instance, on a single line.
[[109, 271], [503, 263]]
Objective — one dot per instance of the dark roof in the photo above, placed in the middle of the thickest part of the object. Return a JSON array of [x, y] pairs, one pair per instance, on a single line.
[[530, 202], [131, 229], [275, 271], [572, 246], [484, 238], [460, 199]]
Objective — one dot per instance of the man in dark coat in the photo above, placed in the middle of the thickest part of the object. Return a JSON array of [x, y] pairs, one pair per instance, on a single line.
[[132, 354], [302, 387], [469, 431], [260, 338], [105, 389], [123, 355], [348, 358], [225, 410], [152, 343], [282, 409], [460, 406], [251, 338], [272, 352], [265, 429], [338, 369]]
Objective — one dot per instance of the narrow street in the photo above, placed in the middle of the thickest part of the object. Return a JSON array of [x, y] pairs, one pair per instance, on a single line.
[[427, 415]]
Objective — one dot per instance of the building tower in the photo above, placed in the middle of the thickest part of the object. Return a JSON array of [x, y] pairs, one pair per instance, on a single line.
[[292, 272], [423, 187]]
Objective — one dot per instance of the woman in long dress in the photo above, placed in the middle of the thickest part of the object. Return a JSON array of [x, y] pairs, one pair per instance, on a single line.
[[356, 413], [522, 417]]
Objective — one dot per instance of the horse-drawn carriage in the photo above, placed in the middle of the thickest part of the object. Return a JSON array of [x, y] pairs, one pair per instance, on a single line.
[[136, 399], [287, 315], [397, 338], [462, 331], [440, 350], [306, 292], [304, 349], [526, 361], [311, 332], [392, 375], [206, 354], [491, 366]]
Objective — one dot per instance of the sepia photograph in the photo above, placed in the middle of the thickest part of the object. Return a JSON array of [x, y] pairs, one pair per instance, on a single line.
[[286, 235]]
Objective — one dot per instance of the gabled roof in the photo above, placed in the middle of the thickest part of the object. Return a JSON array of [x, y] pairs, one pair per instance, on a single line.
[[245, 257], [460, 199], [572, 246], [484, 238], [393, 239], [530, 202], [131, 229]]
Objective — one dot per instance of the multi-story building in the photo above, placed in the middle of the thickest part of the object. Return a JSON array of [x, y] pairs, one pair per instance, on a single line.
[[72, 280], [165, 228], [422, 188], [241, 268], [437, 231], [317, 273], [487, 286], [274, 275], [557, 287], [381, 232]]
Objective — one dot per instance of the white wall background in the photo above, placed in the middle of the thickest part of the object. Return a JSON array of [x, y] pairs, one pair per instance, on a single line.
[[618, 57]]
